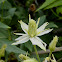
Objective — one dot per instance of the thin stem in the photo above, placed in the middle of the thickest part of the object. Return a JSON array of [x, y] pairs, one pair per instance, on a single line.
[[2, 12], [54, 13], [9, 34], [50, 54], [36, 53]]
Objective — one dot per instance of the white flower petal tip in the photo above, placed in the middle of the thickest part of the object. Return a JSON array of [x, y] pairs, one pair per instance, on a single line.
[[19, 34], [47, 23], [20, 21], [13, 44], [38, 21], [29, 16]]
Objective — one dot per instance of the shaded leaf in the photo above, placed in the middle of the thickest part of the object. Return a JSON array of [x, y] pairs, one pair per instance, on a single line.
[[11, 48], [28, 45], [5, 5], [4, 33], [11, 11]]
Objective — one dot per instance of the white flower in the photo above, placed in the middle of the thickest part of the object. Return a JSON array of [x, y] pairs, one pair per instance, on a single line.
[[32, 33]]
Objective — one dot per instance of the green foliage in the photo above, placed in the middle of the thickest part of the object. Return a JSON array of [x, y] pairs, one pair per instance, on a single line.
[[13, 10], [5, 5], [3, 25], [59, 10], [55, 4], [11, 48], [45, 4], [50, 4]]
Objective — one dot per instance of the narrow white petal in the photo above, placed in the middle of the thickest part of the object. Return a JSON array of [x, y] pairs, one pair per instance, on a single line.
[[21, 37], [19, 34], [24, 26], [29, 17], [23, 40], [44, 32], [42, 41], [38, 21], [38, 42], [41, 28]]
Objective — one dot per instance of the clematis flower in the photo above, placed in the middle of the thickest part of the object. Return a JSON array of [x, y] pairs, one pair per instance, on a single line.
[[32, 32]]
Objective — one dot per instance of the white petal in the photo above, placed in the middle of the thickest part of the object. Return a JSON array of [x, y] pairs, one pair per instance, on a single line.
[[38, 22], [44, 32], [23, 40], [29, 17], [38, 42], [42, 41], [41, 28], [19, 34], [21, 37], [24, 26]]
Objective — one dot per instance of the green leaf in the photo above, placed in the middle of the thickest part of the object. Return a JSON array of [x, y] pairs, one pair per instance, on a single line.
[[7, 17], [2, 25], [52, 25], [2, 1], [11, 11], [29, 45], [59, 10], [55, 4], [46, 3], [5, 5], [42, 20], [3, 33], [11, 48]]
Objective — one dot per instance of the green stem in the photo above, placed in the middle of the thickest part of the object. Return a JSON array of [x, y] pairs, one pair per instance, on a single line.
[[9, 34], [55, 13], [50, 53], [2, 12], [36, 53]]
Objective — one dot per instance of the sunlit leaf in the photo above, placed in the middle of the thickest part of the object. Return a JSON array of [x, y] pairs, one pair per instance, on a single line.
[[55, 4], [59, 10], [2, 25], [46, 3]]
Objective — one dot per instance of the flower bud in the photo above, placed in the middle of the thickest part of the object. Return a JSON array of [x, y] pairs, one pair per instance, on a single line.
[[32, 28], [53, 43], [2, 61], [2, 50], [30, 60], [23, 57], [50, 59]]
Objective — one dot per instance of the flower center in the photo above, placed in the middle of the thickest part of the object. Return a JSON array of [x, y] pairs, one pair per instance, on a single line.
[[32, 28]]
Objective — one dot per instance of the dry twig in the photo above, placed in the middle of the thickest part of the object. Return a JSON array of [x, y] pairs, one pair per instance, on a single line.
[[48, 51]]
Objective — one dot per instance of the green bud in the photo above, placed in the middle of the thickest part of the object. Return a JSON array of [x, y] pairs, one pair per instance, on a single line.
[[32, 28], [48, 59], [23, 57], [30, 60], [2, 50], [53, 43], [2, 61]]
